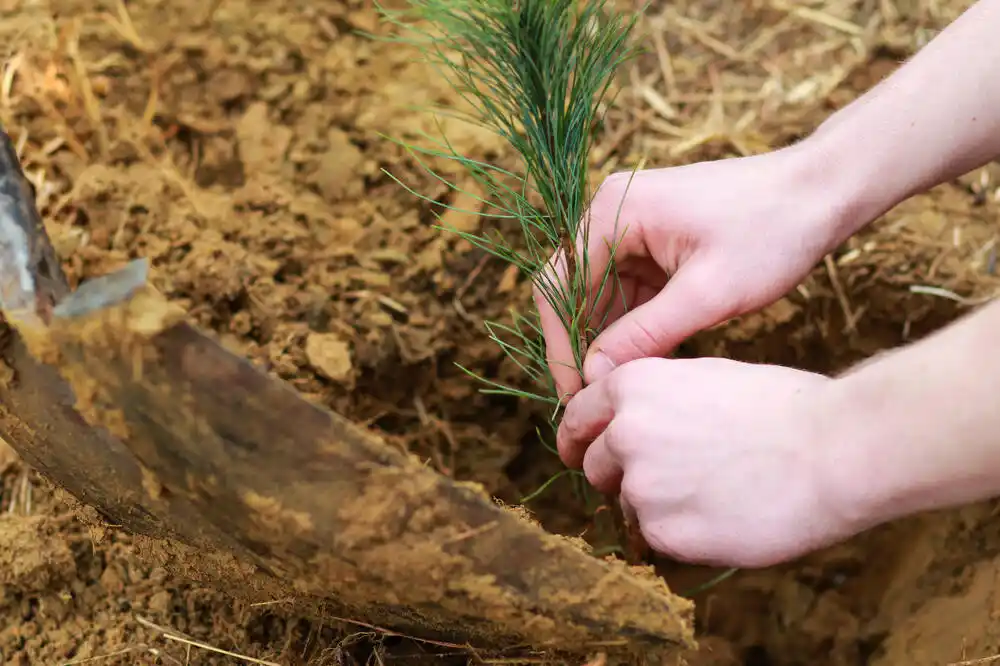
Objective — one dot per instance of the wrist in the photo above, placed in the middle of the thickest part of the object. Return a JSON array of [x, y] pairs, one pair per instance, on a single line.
[[844, 180], [860, 479], [914, 429], [828, 179]]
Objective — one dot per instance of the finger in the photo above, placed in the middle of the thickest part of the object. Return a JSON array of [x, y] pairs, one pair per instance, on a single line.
[[692, 300], [558, 347], [607, 230], [674, 534], [601, 468], [682, 538], [601, 232], [603, 226], [640, 281], [587, 415]]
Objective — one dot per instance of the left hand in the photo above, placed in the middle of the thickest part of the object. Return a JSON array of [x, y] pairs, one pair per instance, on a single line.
[[723, 463]]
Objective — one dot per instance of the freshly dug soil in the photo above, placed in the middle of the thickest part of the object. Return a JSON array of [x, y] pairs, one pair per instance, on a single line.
[[236, 146]]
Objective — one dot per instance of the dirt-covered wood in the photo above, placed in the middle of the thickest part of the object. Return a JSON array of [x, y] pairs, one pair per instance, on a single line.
[[37, 414], [320, 502], [136, 412]]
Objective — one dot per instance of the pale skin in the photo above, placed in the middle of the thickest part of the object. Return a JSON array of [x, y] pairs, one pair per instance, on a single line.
[[750, 465]]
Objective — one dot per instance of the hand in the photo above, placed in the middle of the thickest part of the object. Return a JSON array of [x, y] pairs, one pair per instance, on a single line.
[[722, 463], [734, 235]]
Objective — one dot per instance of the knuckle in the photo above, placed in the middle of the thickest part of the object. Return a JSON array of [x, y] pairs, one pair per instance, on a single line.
[[628, 378], [646, 336], [569, 426], [619, 382], [634, 488], [572, 423], [666, 536], [620, 438], [611, 436]]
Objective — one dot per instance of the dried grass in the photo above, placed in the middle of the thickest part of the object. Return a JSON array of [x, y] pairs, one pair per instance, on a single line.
[[977, 662]]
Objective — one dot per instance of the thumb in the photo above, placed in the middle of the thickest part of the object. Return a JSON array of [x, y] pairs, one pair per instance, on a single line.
[[692, 300]]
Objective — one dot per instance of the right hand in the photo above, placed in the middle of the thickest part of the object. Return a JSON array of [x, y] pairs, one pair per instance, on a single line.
[[720, 462], [733, 236]]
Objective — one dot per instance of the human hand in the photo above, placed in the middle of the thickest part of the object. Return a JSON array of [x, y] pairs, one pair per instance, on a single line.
[[734, 235], [722, 463]]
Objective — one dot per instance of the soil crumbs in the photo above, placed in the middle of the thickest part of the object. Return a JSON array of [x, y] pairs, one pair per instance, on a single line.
[[235, 145]]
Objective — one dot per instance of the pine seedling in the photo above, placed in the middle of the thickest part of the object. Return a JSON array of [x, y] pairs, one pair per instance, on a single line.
[[537, 73]]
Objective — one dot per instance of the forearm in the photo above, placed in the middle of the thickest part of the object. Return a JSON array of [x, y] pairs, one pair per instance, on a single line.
[[934, 119], [919, 429]]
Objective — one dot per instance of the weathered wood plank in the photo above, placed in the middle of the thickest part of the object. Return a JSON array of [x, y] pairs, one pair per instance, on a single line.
[[138, 413]]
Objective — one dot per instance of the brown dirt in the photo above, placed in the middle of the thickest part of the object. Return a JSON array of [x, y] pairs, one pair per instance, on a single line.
[[235, 145]]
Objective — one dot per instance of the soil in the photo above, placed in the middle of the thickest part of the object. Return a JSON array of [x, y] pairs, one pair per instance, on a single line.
[[237, 147]]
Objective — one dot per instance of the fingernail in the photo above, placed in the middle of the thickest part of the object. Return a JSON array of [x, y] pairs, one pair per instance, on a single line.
[[596, 366]]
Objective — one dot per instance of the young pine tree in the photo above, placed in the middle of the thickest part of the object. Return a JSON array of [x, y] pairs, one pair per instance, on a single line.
[[537, 73]]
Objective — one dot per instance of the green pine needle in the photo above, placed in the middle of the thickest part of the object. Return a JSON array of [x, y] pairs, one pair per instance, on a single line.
[[537, 73]]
